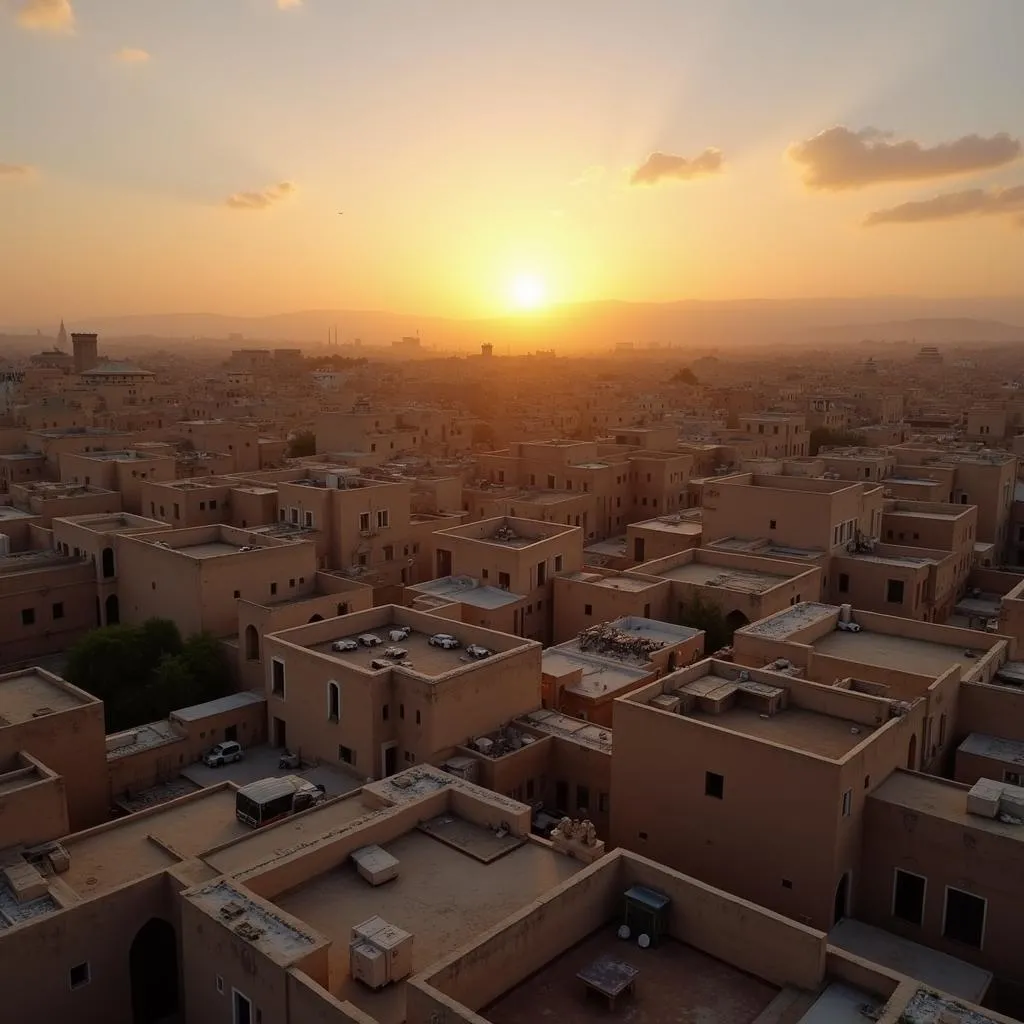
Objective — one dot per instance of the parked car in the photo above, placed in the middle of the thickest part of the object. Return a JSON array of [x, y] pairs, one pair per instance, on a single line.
[[476, 651], [848, 627], [370, 640], [398, 634], [395, 652], [445, 640], [345, 645], [223, 753]]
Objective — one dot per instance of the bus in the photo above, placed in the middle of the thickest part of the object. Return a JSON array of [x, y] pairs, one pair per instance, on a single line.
[[267, 800]]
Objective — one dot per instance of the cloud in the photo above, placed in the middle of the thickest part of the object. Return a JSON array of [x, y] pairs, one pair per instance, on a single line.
[[132, 55], [46, 15], [16, 171], [839, 158], [287, 5], [262, 199], [666, 167], [975, 202]]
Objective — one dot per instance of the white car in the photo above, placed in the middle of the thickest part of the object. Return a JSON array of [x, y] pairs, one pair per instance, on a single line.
[[445, 640], [370, 640], [397, 635], [345, 645], [395, 652], [848, 627], [476, 651], [223, 753]]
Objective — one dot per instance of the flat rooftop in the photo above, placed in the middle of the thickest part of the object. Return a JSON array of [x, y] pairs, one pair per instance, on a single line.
[[677, 983], [940, 798], [798, 616], [765, 547], [8, 512], [945, 972], [130, 848], [467, 590], [812, 732], [442, 896], [602, 677], [685, 527], [915, 514], [746, 581], [994, 747], [28, 695], [231, 702], [554, 723], [624, 582], [905, 654], [209, 550], [142, 737], [420, 657]]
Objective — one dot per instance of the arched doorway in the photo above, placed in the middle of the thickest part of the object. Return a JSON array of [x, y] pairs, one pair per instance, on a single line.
[[252, 643], [841, 906], [153, 967], [317, 618], [113, 610], [912, 753], [736, 620], [108, 563]]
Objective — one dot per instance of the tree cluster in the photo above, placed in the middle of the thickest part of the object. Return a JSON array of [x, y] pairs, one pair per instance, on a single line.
[[698, 614], [142, 673], [825, 437], [301, 444]]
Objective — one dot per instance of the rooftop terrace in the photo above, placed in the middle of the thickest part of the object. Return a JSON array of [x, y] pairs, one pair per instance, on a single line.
[[33, 694], [704, 574], [443, 896], [554, 723], [905, 654]]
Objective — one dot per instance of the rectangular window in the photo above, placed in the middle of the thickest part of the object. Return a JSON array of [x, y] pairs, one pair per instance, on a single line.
[[384, 711], [273, 589], [847, 803], [364, 521], [346, 755], [202, 508], [294, 512], [418, 719], [389, 553], [558, 563], [28, 616], [964, 917], [277, 677], [602, 802], [714, 785], [771, 524], [844, 583], [213, 503], [561, 795], [58, 610], [529, 789], [588, 609], [177, 511], [908, 896], [894, 591], [308, 520], [79, 975], [582, 798], [383, 519], [504, 580]]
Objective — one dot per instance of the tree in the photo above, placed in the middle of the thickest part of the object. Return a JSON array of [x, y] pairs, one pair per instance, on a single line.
[[700, 614], [684, 376], [301, 443], [825, 437], [142, 673], [483, 433]]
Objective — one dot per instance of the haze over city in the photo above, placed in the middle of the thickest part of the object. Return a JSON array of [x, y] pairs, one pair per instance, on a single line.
[[511, 512], [502, 159]]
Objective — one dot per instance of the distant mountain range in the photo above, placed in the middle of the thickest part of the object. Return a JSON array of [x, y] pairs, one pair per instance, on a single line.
[[599, 325]]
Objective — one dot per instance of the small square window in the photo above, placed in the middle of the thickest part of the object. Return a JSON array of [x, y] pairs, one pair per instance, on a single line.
[[771, 524], [79, 975], [641, 835], [964, 918], [346, 755], [588, 609], [291, 583], [787, 883], [58, 610], [714, 785], [238, 593], [28, 616]]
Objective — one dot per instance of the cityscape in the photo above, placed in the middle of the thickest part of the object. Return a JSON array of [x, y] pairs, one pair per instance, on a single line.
[[473, 553]]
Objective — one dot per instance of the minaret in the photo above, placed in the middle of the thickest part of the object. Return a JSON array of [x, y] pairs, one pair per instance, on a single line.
[[62, 337]]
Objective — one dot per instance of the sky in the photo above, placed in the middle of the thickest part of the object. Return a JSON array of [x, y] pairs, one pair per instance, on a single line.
[[474, 157]]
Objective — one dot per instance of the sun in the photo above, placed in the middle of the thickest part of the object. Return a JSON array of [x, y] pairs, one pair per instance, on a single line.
[[528, 292]]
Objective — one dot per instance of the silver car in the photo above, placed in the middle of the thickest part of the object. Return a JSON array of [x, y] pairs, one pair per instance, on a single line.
[[443, 640]]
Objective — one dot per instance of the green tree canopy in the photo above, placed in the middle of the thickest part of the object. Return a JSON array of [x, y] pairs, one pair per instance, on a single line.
[[301, 444], [142, 673]]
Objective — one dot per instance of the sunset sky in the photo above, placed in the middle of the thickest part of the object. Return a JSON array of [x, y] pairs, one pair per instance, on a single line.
[[193, 155]]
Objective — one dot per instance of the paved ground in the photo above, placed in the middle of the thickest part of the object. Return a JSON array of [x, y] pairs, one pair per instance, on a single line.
[[261, 763]]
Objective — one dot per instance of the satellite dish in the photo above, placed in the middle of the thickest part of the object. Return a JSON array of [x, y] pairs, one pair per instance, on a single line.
[[644, 941], [624, 931]]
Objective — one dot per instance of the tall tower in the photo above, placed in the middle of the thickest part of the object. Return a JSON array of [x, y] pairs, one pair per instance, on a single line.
[[487, 350], [62, 337], [84, 346]]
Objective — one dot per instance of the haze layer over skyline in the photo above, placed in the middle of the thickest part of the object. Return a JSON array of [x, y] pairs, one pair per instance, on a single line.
[[493, 158]]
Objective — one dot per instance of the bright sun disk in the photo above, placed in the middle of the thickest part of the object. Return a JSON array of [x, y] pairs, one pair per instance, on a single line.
[[528, 291]]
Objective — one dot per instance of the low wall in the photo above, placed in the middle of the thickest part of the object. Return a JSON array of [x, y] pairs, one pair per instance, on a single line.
[[755, 940], [309, 1003]]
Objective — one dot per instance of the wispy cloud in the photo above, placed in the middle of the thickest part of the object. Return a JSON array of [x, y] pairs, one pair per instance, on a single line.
[[16, 170], [287, 5], [132, 55], [667, 167], [261, 199], [46, 15], [975, 202], [840, 158]]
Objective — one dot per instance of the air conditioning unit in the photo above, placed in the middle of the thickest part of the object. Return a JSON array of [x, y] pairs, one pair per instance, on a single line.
[[379, 953]]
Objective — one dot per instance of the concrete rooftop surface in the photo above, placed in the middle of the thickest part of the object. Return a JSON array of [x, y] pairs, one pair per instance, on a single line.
[[28, 695], [442, 896], [886, 650]]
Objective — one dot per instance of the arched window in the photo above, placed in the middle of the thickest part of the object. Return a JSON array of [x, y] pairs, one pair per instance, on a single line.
[[108, 563], [333, 701], [252, 643]]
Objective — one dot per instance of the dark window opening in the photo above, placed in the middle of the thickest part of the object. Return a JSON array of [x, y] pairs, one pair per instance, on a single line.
[[965, 918], [714, 785], [908, 897]]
